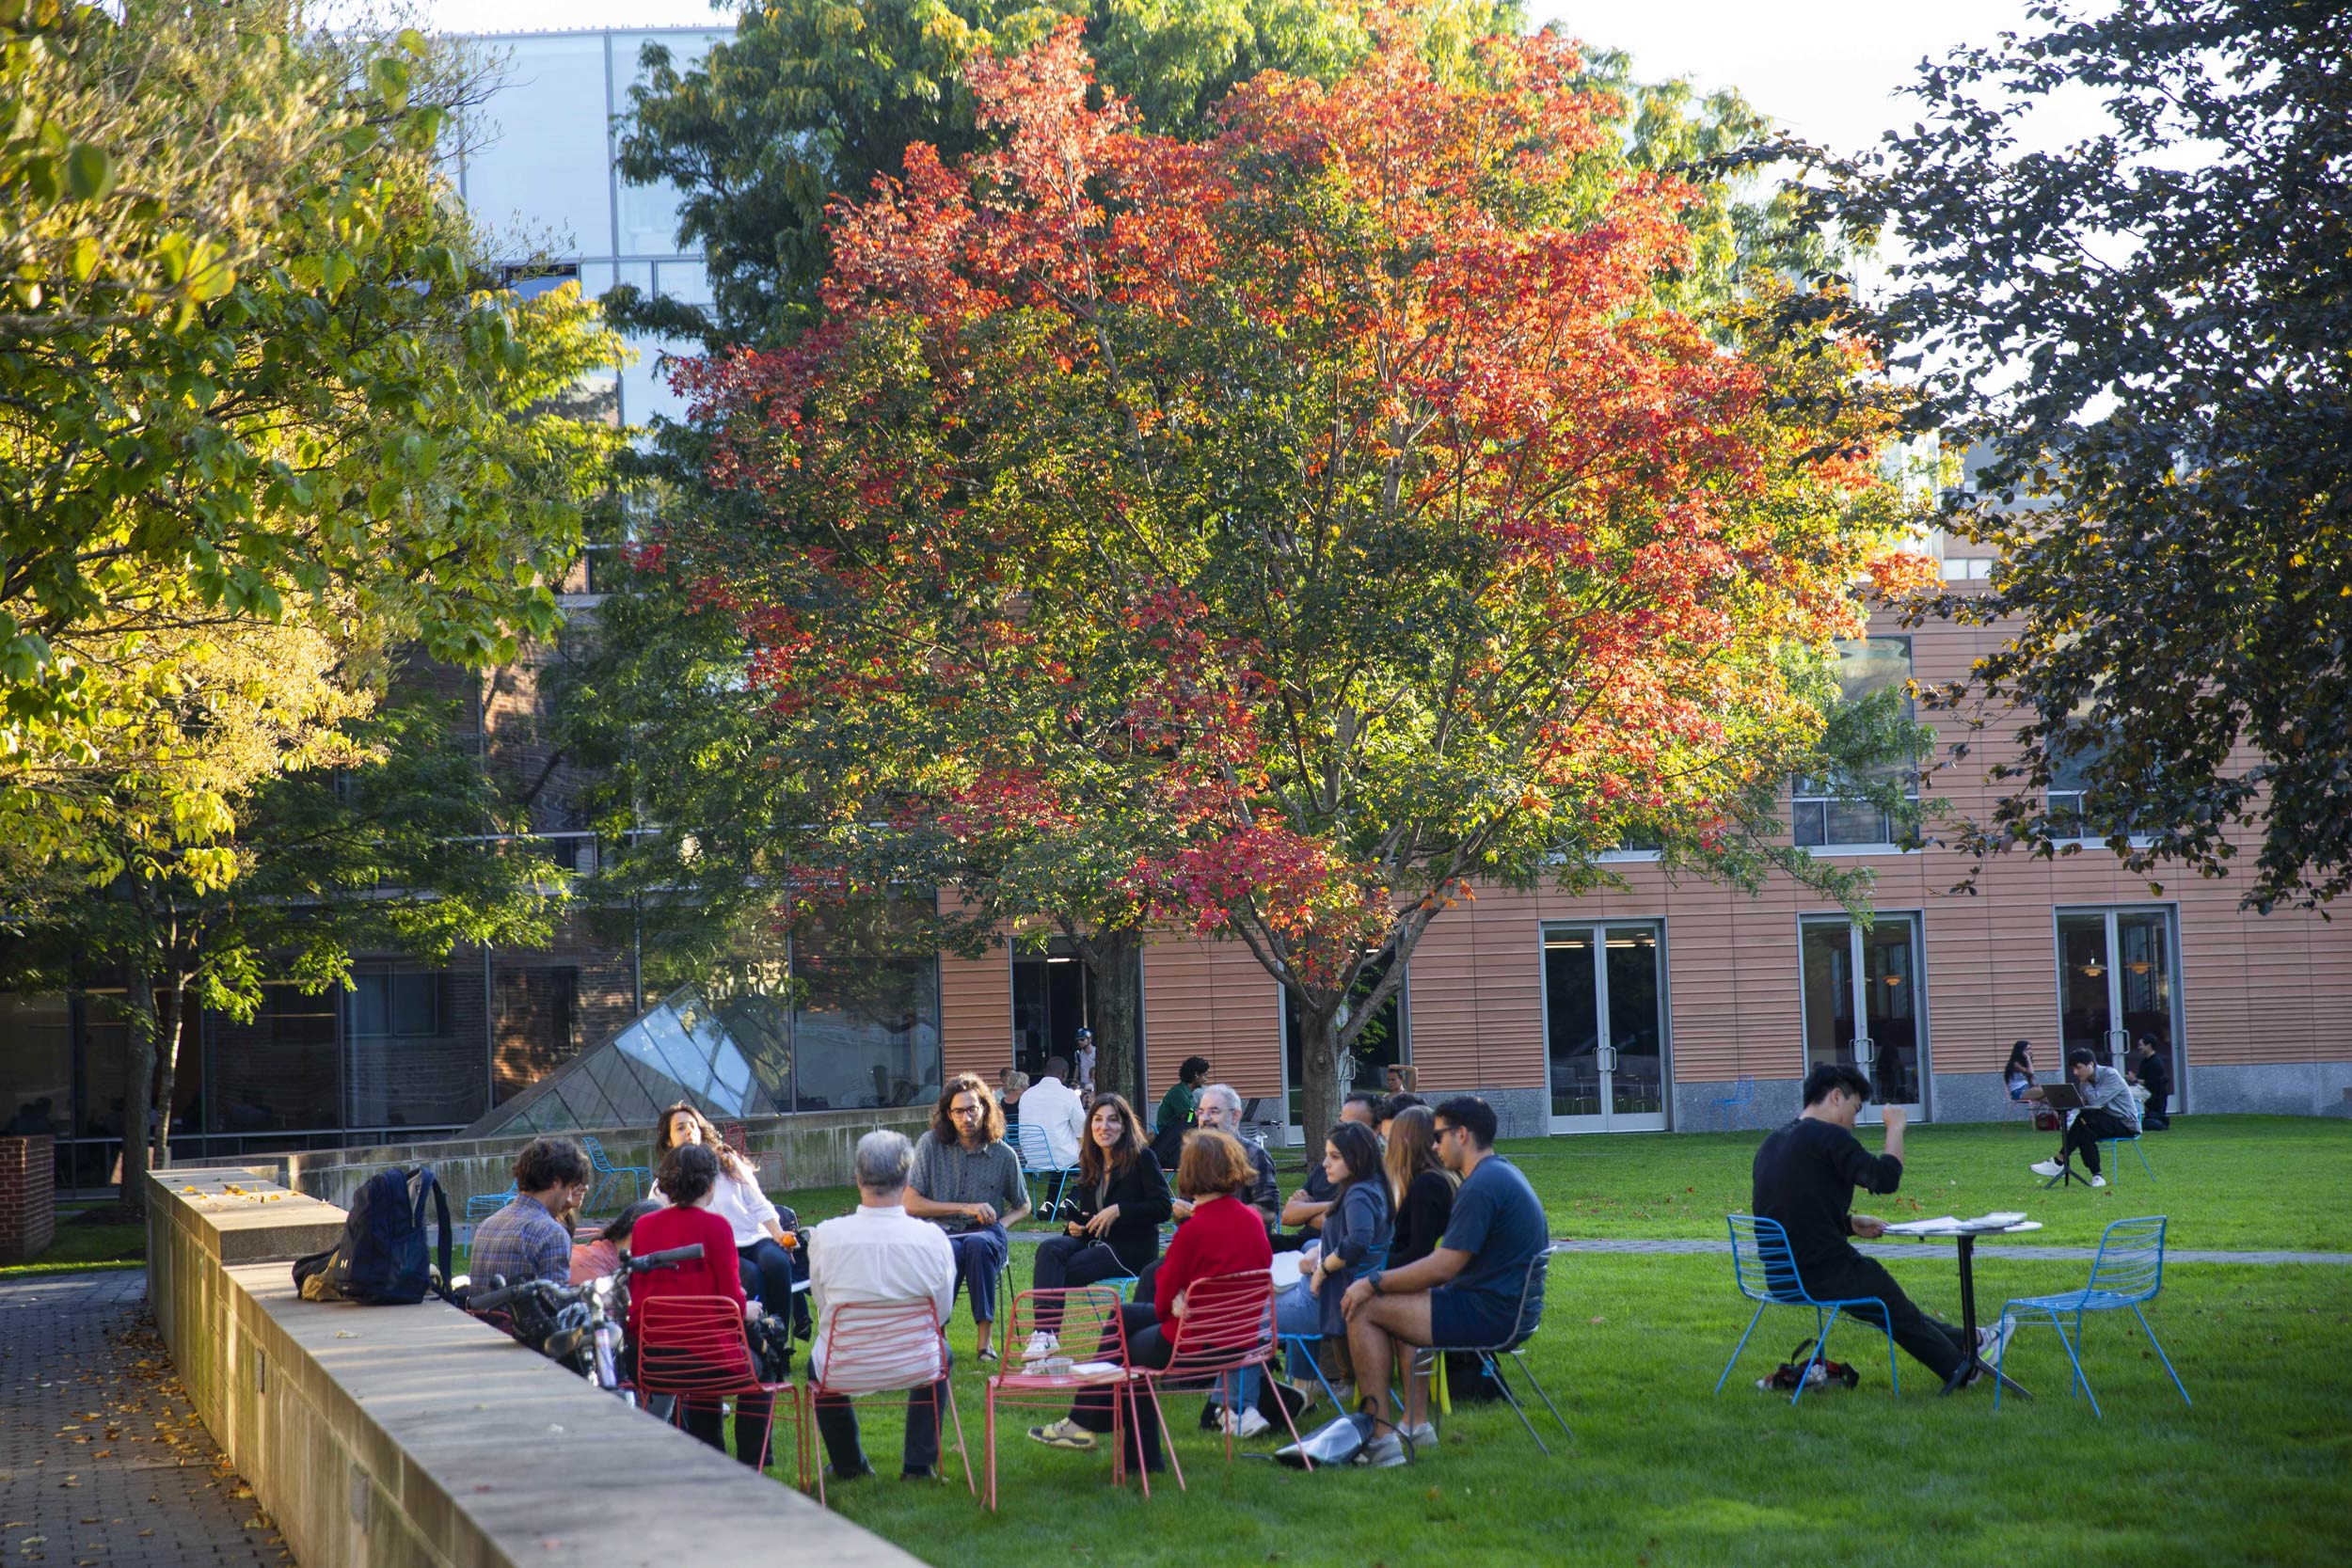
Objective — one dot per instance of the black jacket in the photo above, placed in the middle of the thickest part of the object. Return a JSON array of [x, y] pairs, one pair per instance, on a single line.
[[1428, 1204], [1141, 1196]]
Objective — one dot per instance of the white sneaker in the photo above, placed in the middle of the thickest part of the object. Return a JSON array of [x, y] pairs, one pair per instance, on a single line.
[[1250, 1424], [1992, 1338], [2098, 1180], [2047, 1168], [1384, 1453], [1041, 1345], [1422, 1437]]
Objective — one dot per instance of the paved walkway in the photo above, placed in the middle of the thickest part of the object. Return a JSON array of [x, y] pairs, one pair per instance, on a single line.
[[1987, 1248], [103, 1461]]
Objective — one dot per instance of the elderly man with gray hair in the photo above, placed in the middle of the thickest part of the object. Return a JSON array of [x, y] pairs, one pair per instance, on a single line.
[[1220, 1109], [879, 1253]]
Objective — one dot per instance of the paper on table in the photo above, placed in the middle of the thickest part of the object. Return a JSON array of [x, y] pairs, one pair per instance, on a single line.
[[1093, 1368], [1924, 1227], [1999, 1217]]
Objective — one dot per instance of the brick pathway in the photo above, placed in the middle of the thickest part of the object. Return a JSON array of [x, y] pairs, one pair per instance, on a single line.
[[103, 1461], [1989, 1248]]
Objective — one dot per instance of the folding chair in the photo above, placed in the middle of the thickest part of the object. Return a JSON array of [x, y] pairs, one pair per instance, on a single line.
[[2128, 1271], [1227, 1327], [1038, 1163], [1525, 1321], [694, 1350], [608, 1173], [1087, 1311], [1766, 1271], [882, 1347]]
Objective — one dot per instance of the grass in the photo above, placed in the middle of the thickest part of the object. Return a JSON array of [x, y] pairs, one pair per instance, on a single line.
[[82, 1245], [1663, 1472]]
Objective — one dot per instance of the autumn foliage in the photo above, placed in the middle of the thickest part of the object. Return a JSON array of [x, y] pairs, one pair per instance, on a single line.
[[1277, 531]]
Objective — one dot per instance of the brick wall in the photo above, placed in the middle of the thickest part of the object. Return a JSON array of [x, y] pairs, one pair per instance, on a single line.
[[28, 1215]]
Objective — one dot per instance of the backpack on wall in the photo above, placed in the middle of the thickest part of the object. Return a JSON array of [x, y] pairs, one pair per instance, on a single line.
[[382, 1259]]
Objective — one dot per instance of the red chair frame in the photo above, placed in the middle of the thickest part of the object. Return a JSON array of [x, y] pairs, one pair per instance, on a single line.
[[693, 1349], [736, 1137], [1228, 1325], [1086, 1308], [868, 1346]]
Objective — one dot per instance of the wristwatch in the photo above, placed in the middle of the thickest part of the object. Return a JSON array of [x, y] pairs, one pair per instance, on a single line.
[[1374, 1278]]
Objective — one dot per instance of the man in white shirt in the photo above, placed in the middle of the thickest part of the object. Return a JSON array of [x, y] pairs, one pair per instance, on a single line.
[[1053, 1106], [879, 1253], [1085, 1061]]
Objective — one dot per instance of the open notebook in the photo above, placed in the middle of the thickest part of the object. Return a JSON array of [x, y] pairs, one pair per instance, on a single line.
[[1946, 1224]]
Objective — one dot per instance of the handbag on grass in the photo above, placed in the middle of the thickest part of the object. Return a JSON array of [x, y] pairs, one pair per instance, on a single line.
[[1823, 1374]]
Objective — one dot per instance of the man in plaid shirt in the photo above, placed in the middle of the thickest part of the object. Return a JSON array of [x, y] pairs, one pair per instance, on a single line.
[[526, 1240]]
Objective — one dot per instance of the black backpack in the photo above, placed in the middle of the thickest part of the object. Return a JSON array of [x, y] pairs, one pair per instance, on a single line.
[[382, 1259]]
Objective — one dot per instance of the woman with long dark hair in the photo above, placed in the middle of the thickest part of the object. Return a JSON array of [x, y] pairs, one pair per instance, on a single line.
[[1122, 1200], [766, 1251], [1358, 1229]]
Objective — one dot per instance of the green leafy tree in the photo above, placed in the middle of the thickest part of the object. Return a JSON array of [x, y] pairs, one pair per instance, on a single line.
[[2142, 337]]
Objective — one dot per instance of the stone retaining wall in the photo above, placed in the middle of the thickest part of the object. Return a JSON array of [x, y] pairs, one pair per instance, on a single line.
[[416, 1437], [809, 1148]]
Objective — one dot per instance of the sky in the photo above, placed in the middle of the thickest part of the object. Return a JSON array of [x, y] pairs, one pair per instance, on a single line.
[[1826, 68]]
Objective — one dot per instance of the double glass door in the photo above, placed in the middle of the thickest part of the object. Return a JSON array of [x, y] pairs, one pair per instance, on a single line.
[[2115, 984], [1864, 1007], [1605, 1025]]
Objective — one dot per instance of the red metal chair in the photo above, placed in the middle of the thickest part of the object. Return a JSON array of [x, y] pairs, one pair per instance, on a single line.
[[693, 1349], [880, 1347], [1090, 1316], [733, 1134], [1228, 1325]]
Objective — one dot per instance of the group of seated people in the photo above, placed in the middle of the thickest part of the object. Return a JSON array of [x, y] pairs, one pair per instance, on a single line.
[[1424, 1238], [2114, 1104]]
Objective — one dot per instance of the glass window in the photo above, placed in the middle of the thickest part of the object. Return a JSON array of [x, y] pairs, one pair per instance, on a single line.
[[416, 1051], [1819, 815], [277, 1073], [865, 1030], [36, 1065], [543, 161]]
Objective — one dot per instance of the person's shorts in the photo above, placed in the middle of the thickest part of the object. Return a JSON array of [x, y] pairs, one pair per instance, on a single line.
[[1457, 1318]]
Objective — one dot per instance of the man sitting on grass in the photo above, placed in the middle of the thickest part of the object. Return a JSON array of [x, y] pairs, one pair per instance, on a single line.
[[1465, 1292], [1805, 1178]]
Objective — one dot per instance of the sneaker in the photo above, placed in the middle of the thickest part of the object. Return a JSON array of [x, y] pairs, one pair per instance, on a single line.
[[1041, 1345], [2098, 1180], [1422, 1437], [1993, 1338], [1384, 1453], [1252, 1424], [2047, 1168], [1064, 1434], [920, 1472]]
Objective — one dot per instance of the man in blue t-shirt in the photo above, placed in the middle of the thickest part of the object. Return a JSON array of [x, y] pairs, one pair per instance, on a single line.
[[1465, 1293]]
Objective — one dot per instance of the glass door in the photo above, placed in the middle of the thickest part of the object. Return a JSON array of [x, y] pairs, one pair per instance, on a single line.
[[2115, 984], [1605, 1027], [1864, 1004]]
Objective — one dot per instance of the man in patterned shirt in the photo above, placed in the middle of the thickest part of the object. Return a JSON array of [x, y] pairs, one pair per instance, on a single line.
[[525, 1240]]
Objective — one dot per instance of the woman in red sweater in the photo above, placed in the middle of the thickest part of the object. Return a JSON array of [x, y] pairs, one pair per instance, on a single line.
[[1225, 1235], [689, 1175]]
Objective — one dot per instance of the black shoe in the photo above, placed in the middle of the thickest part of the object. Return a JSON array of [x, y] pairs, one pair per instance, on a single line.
[[859, 1473], [1211, 1416], [988, 1351], [920, 1472]]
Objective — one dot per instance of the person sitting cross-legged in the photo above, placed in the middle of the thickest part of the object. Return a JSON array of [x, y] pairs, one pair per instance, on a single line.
[[879, 1253], [1465, 1292], [967, 1179], [1123, 1197], [1225, 1235], [1804, 1177], [2109, 1111]]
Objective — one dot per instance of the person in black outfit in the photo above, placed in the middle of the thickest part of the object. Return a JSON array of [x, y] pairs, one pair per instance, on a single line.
[[1805, 1178], [2154, 1074], [1122, 1200]]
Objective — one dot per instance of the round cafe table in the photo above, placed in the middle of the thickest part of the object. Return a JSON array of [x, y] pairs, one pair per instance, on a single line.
[[1965, 1232]]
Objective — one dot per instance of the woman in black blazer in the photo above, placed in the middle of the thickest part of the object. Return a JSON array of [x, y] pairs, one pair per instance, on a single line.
[[1123, 1201], [1419, 1184]]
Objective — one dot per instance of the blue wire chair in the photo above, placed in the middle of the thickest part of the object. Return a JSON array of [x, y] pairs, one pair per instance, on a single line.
[[2128, 1271], [607, 1173], [1525, 1321], [1038, 1163], [1742, 1096], [489, 1203], [2116, 1160], [1766, 1272], [1296, 1346]]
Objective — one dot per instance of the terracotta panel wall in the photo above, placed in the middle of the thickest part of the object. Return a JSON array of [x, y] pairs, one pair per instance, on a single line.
[[1210, 998], [975, 1013]]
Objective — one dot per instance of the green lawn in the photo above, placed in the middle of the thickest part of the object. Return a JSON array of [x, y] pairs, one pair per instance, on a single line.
[[81, 1244], [1663, 1472]]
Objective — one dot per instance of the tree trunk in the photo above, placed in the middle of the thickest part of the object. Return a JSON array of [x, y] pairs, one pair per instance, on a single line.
[[1112, 959], [1320, 1093], [173, 1032], [138, 1076]]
